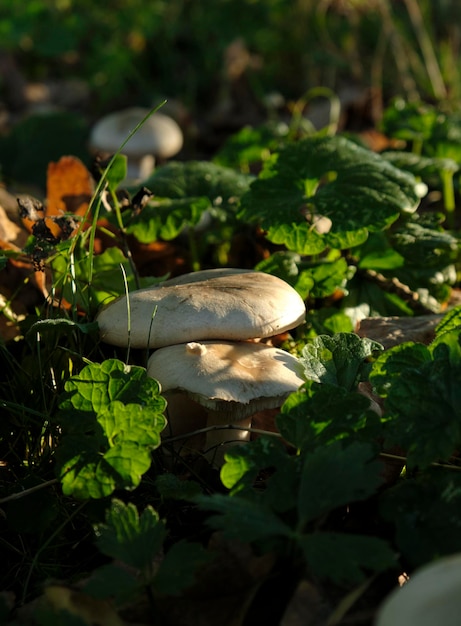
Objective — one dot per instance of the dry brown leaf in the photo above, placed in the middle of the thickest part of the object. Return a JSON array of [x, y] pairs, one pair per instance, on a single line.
[[306, 607], [69, 188], [9, 231], [58, 597], [391, 331]]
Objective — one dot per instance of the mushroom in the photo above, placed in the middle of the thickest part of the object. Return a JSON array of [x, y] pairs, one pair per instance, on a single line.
[[228, 304], [222, 383], [159, 137], [430, 597]]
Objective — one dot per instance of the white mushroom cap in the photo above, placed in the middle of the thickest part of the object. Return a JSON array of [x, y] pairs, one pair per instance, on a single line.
[[215, 384], [231, 305], [236, 379], [431, 597], [160, 135]]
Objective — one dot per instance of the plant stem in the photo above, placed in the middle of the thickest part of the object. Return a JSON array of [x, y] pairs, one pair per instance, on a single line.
[[22, 494], [448, 196]]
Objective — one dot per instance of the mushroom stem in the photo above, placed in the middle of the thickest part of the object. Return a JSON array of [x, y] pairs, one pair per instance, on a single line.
[[219, 439]]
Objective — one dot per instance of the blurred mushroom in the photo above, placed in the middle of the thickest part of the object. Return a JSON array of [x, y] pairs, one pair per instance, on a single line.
[[430, 598], [222, 383], [159, 137], [228, 304]]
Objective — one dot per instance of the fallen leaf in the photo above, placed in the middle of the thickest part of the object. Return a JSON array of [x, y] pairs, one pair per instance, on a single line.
[[391, 331], [69, 188], [90, 610]]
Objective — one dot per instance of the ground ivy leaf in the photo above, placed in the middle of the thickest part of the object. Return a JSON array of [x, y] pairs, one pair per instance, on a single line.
[[239, 518], [166, 218], [244, 462], [338, 359], [345, 559], [234, 469], [133, 422], [106, 439], [82, 472], [319, 414], [98, 384], [389, 365], [426, 405], [129, 462], [330, 179], [132, 538], [320, 491], [178, 569], [193, 179], [113, 582], [451, 321], [173, 487], [425, 514]]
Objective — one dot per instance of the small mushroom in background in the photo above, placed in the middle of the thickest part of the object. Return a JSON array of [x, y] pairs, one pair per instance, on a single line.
[[431, 597], [160, 137], [227, 303], [215, 384]]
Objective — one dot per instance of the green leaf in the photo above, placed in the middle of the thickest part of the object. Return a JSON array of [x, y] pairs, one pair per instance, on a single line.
[[243, 463], [319, 414], [133, 423], [389, 366], [427, 403], [166, 219], [251, 146], [287, 266], [377, 254], [108, 280], [425, 514], [345, 559], [132, 538], [178, 569], [222, 186], [117, 171], [239, 518], [424, 246], [328, 320], [422, 400], [327, 277], [338, 359], [172, 487], [111, 416], [183, 191], [322, 491], [113, 582], [409, 120], [327, 180], [426, 168], [451, 321], [99, 384]]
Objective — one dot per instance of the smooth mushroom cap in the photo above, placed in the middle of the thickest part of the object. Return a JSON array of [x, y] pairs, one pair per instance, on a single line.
[[231, 305], [431, 597], [236, 379], [160, 135]]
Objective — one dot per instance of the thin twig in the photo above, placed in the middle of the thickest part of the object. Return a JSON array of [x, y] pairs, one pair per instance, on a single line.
[[27, 492], [207, 429]]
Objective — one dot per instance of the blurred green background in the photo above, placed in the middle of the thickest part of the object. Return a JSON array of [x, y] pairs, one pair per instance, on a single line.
[[219, 62]]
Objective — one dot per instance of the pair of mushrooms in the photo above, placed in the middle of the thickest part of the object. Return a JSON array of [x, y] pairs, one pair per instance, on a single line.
[[203, 328]]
